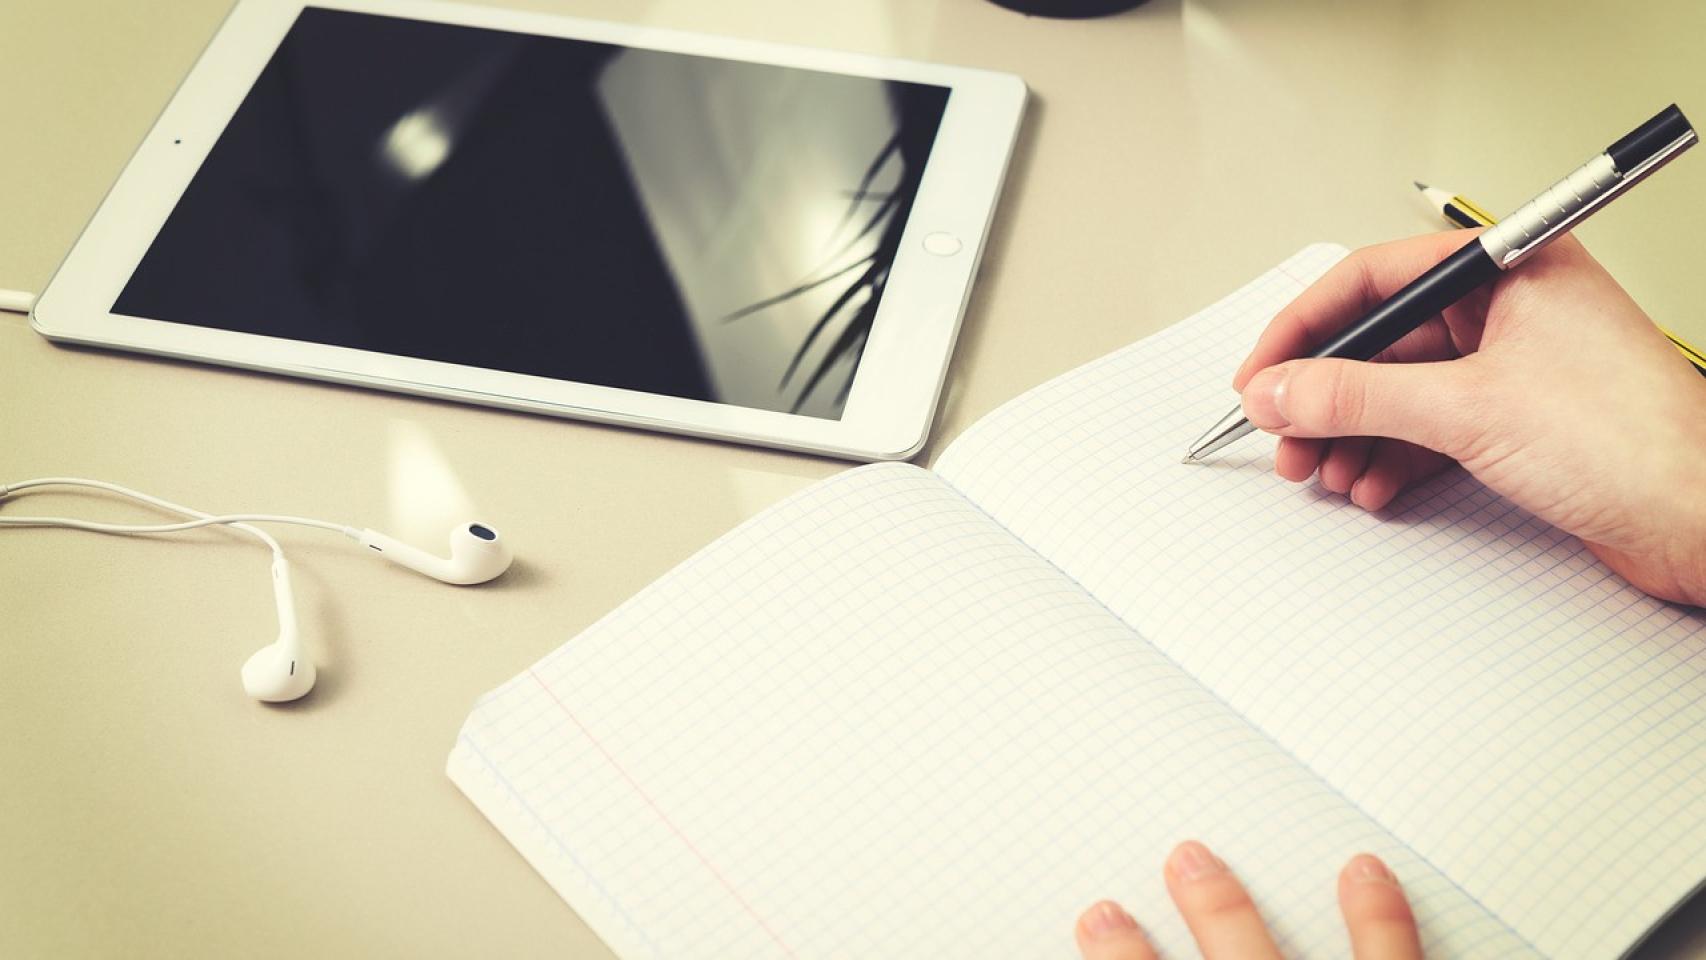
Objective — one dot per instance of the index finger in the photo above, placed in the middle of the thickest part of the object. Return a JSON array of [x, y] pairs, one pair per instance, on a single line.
[[1354, 285]]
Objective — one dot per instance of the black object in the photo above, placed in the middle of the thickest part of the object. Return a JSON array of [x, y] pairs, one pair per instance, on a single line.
[[1425, 296], [522, 241], [1649, 138], [1068, 9]]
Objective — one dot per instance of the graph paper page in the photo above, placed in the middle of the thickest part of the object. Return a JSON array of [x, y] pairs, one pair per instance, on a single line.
[[1467, 675], [870, 723]]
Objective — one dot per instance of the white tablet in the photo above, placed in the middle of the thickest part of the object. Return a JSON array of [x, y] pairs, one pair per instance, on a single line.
[[684, 233]]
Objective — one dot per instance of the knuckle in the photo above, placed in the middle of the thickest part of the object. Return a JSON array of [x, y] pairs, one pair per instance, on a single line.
[[1376, 904], [1350, 398], [1387, 910], [1329, 399], [1220, 896], [1470, 413]]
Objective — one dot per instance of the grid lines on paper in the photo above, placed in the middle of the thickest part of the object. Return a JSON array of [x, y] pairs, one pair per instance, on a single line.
[[871, 723], [1470, 676]]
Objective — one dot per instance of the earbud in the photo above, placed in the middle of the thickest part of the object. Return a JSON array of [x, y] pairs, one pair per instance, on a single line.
[[281, 670], [477, 554]]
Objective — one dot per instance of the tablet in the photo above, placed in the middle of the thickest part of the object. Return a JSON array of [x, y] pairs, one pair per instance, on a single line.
[[615, 223]]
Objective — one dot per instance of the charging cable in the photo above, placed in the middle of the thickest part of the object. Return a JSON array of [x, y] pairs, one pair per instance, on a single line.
[[17, 301]]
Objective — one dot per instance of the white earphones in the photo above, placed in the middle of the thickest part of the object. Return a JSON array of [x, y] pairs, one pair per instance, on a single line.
[[477, 554], [282, 670]]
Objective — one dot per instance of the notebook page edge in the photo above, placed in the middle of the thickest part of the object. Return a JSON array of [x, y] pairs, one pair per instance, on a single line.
[[1311, 261], [1648, 935], [958, 449], [481, 783], [1603, 930]]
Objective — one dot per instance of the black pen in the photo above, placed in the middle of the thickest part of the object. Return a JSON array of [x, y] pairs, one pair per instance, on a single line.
[[1500, 248], [1462, 211]]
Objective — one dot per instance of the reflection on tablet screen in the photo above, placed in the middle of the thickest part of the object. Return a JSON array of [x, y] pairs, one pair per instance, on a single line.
[[661, 222]]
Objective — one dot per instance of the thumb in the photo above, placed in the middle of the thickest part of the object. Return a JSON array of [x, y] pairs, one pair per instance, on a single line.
[[1434, 405]]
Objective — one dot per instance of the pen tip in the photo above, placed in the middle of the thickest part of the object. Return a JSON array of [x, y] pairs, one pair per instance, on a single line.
[[1419, 184], [1188, 460]]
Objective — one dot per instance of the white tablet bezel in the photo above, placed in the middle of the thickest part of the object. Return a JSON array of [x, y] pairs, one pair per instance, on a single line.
[[894, 393]]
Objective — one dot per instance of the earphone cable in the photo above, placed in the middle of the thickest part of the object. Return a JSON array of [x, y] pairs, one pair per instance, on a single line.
[[202, 519]]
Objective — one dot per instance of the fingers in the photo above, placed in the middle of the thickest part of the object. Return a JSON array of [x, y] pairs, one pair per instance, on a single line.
[[1351, 288], [1387, 467], [1345, 462], [1297, 457], [1378, 917], [1107, 932], [1394, 467], [1226, 926], [1220, 914], [1435, 405]]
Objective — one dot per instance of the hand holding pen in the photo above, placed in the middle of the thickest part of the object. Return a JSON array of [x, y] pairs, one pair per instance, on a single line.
[[1551, 386], [1463, 212], [1552, 214]]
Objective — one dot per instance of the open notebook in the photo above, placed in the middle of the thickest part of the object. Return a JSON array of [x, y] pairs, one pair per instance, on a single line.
[[935, 714]]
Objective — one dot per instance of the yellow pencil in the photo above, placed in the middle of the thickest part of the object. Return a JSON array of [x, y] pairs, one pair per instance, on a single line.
[[1465, 213], [1454, 208]]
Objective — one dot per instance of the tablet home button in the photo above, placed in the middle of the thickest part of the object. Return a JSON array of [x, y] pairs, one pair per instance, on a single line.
[[941, 244]]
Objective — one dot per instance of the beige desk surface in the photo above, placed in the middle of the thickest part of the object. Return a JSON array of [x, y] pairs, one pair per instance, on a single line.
[[148, 809]]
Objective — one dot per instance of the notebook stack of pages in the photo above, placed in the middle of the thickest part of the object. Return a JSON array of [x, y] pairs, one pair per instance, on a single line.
[[912, 713]]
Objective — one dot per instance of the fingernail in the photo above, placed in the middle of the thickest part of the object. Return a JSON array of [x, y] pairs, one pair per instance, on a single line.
[[1264, 399], [1105, 918], [1192, 860], [1367, 868]]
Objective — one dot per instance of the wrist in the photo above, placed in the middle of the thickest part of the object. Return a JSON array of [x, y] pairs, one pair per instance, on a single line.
[[1691, 585], [1689, 541]]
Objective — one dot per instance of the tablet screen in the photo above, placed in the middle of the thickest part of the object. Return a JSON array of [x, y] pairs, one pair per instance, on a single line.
[[661, 222]]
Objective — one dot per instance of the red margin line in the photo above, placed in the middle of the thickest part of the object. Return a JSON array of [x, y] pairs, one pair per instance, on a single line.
[[661, 815]]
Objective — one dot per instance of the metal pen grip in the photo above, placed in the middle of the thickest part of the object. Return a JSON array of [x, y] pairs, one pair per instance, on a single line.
[[1553, 212]]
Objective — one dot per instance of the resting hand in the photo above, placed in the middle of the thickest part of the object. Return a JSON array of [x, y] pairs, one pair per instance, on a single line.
[[1227, 927], [1550, 386]]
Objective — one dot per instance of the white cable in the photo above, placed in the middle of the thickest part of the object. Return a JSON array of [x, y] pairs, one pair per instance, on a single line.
[[262, 535], [16, 301], [202, 519], [233, 519]]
